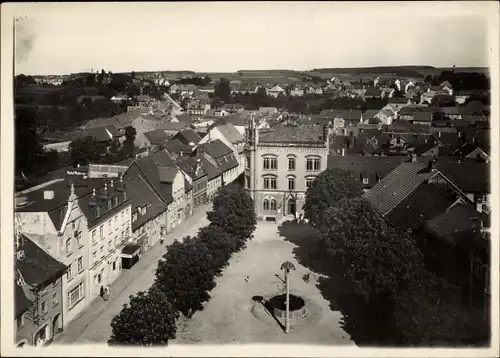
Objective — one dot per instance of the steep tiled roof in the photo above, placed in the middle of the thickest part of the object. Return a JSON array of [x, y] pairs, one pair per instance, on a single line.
[[372, 167], [38, 267], [236, 120], [188, 135], [148, 197], [422, 117], [185, 118], [470, 177], [189, 166], [212, 170], [231, 133], [399, 100], [424, 144], [100, 134], [372, 91], [424, 203], [176, 146], [216, 148], [370, 113], [305, 134], [171, 126], [157, 136], [167, 174], [459, 225], [397, 185]]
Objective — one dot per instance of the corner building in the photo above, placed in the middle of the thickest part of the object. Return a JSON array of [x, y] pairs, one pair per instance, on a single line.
[[281, 163]]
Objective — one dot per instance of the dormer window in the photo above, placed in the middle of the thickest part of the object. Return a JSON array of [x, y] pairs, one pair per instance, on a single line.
[[110, 203], [365, 180], [134, 217], [116, 201], [97, 211]]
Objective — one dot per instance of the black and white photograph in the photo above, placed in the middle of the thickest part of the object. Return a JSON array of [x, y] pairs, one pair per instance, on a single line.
[[250, 178]]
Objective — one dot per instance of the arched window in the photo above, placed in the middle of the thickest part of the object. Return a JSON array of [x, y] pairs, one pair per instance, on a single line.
[[291, 163], [266, 204], [273, 204], [291, 183], [270, 162]]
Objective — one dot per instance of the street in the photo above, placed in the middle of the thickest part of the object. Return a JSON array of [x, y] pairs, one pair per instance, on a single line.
[[94, 325]]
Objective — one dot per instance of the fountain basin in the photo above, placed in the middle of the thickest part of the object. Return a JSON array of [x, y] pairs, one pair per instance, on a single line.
[[297, 306]]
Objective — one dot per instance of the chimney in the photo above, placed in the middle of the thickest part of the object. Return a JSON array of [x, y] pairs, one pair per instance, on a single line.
[[413, 158], [48, 194], [92, 200]]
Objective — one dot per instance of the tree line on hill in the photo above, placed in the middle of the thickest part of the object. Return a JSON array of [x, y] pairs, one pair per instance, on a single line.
[[184, 279], [393, 292]]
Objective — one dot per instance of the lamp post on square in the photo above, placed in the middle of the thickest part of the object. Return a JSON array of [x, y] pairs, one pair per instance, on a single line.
[[287, 266]]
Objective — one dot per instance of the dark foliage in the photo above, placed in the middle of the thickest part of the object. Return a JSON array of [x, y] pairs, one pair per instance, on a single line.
[[186, 275], [87, 149], [328, 188], [148, 319], [234, 212]]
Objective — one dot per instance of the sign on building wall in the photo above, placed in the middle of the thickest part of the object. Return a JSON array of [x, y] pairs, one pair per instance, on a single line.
[[77, 177]]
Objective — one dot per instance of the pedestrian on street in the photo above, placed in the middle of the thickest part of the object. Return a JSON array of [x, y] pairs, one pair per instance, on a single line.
[[106, 293]]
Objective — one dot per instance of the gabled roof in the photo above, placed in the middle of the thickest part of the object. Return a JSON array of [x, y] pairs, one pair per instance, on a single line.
[[231, 133], [459, 226], [236, 120], [212, 171], [171, 126], [190, 165], [424, 144], [100, 134], [147, 198], [370, 113], [38, 267], [157, 136], [167, 174], [422, 117], [185, 118], [216, 149], [187, 136], [176, 146], [397, 185], [469, 177], [424, 203], [374, 168]]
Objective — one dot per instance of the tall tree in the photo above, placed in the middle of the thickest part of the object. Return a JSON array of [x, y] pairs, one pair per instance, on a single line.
[[148, 319], [27, 146], [223, 90], [378, 259], [220, 245], [233, 211], [328, 188], [186, 275], [86, 149]]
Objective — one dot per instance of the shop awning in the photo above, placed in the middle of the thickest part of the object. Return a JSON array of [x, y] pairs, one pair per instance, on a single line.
[[130, 250]]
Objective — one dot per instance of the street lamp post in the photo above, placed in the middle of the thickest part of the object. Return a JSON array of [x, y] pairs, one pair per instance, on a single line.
[[287, 266]]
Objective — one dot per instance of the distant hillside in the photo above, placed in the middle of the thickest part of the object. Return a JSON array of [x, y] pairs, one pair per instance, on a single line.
[[400, 71]]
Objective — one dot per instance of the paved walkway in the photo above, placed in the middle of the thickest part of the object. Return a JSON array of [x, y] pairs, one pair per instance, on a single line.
[[94, 324], [230, 317]]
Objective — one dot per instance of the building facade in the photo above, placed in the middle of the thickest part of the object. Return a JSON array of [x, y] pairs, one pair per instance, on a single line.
[[281, 164]]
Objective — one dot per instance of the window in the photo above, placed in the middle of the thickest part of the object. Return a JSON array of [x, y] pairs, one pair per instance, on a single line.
[[270, 163], [43, 307], [273, 204], [55, 299], [99, 277], [94, 256], [116, 222], [93, 237], [291, 183], [365, 180], [101, 231], [134, 217], [109, 226], [309, 182], [101, 251], [313, 164], [270, 183], [116, 201], [68, 246], [78, 237], [69, 274], [76, 295], [73, 225], [20, 322], [110, 244], [291, 163], [114, 265], [80, 264], [266, 204]]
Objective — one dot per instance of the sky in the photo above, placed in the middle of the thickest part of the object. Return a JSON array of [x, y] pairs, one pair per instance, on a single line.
[[62, 38]]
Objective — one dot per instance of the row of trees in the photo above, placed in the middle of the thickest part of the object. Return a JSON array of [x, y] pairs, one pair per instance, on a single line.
[[187, 274], [386, 267]]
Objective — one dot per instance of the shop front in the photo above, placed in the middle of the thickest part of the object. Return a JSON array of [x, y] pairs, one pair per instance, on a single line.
[[130, 255]]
